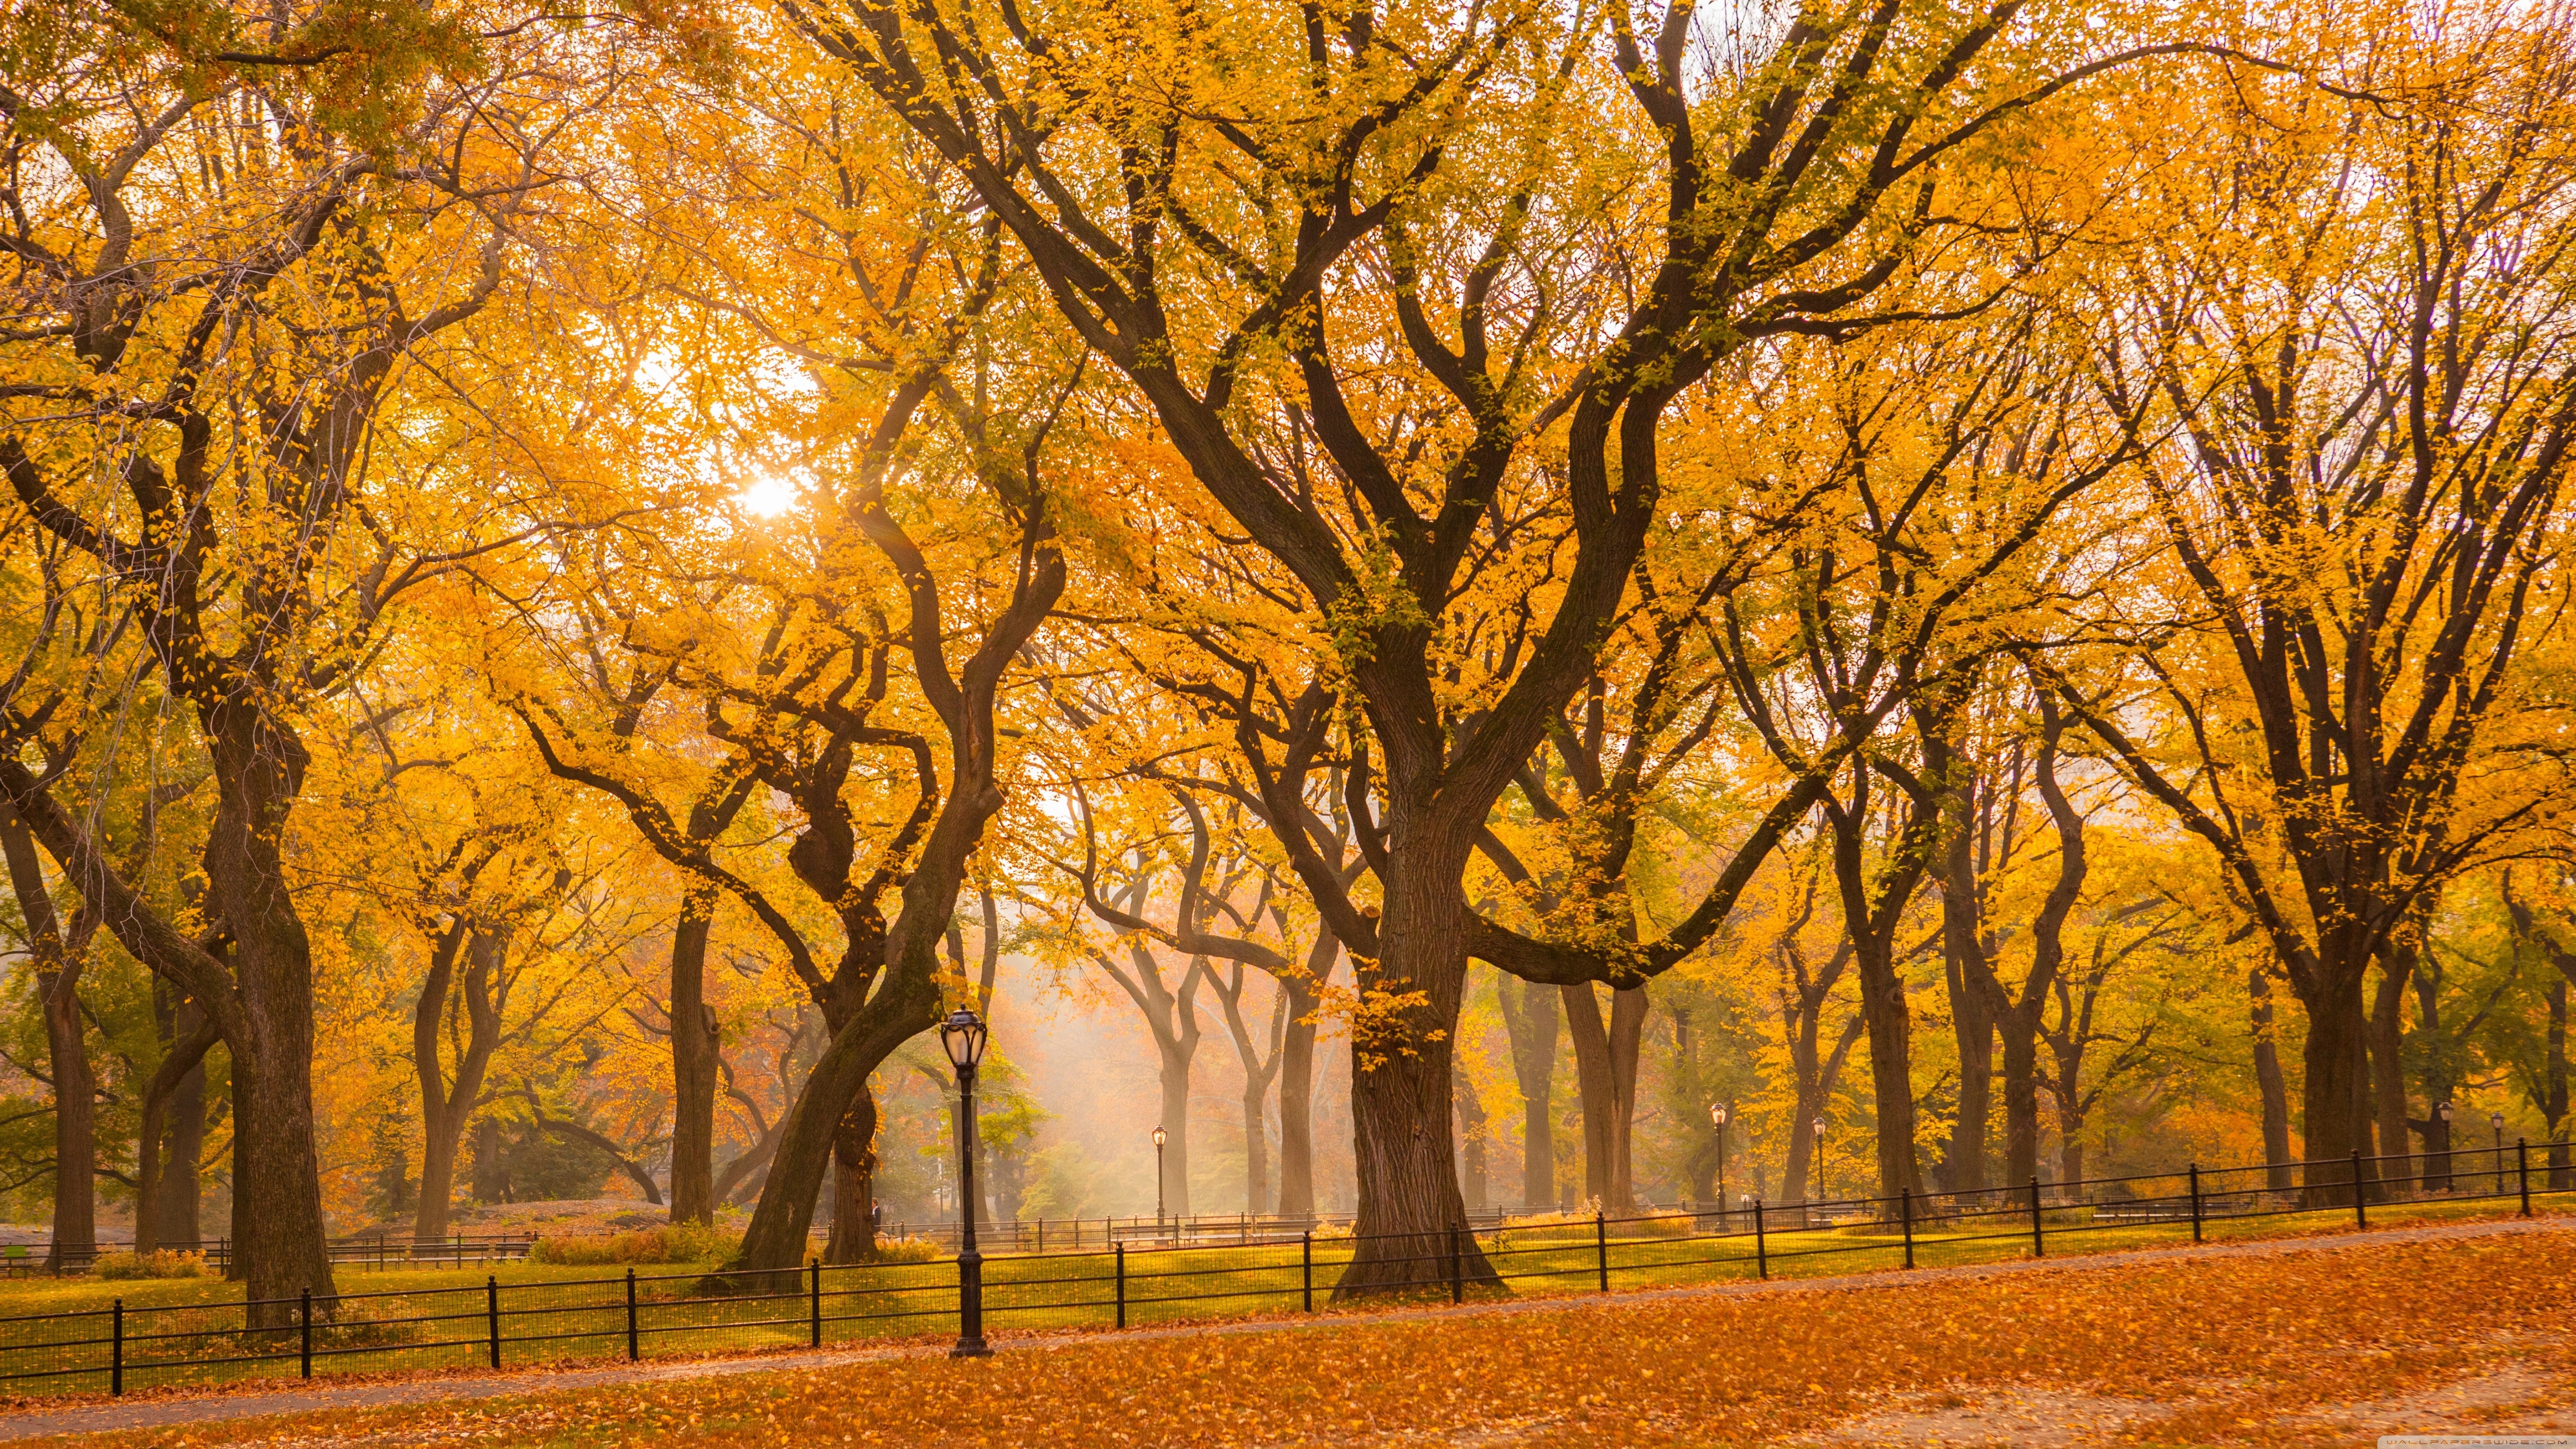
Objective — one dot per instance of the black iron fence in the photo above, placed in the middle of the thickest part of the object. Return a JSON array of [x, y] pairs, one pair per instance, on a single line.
[[1113, 1285]]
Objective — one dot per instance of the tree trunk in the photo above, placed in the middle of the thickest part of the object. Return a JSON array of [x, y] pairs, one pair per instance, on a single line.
[[1471, 1149], [2019, 1028], [1891, 1045], [2269, 1082], [491, 1175], [1297, 1090], [58, 966], [1400, 1069], [694, 1047], [1256, 1144], [1964, 1164], [1531, 1021], [279, 1249], [2333, 1121], [854, 1183], [1972, 1017], [2388, 1066], [2553, 1086], [1173, 1198], [174, 1136], [1605, 1062]]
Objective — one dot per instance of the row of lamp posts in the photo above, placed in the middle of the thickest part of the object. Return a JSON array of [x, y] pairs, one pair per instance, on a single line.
[[1717, 1119]]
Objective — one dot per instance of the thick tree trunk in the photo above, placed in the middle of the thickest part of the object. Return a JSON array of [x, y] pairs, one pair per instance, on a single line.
[[1973, 1016], [2388, 1067], [1891, 1047], [1592, 1086], [1531, 1021], [75, 1120], [279, 1249], [1400, 1071], [2270, 1085], [854, 1183], [75, 1133], [906, 1005], [2333, 1120], [491, 1173], [2020, 1032], [442, 1133], [694, 1046], [1605, 1064], [1964, 1164], [58, 966]]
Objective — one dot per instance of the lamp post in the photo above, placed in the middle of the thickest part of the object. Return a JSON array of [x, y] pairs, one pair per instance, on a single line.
[[1717, 1119], [1158, 1177], [1819, 1125], [2442, 1114], [2495, 1121], [962, 1034]]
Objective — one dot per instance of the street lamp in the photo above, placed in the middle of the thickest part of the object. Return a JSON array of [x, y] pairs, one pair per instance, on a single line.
[[1158, 1177], [2442, 1114], [962, 1034], [1819, 1125], [1717, 1118], [2495, 1121]]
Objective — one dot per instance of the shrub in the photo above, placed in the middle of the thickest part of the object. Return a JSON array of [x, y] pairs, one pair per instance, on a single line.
[[161, 1264], [669, 1243], [908, 1250]]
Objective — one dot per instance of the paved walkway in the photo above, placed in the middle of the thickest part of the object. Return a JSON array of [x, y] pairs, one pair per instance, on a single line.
[[163, 1410]]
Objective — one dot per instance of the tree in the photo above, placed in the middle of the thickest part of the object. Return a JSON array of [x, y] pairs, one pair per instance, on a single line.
[[2379, 408], [1118, 185]]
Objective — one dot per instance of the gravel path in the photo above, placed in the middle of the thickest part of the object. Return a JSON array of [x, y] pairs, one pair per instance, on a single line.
[[162, 1410]]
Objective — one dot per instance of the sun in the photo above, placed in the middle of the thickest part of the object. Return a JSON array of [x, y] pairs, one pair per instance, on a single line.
[[767, 496]]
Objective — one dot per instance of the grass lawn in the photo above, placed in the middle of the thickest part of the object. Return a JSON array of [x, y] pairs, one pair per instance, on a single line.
[[2277, 1346], [191, 1331]]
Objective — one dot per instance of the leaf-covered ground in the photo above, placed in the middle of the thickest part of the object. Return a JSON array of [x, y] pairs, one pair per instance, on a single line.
[[2282, 1345]]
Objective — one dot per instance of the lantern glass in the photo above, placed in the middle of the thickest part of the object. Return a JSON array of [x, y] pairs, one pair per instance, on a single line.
[[1717, 1113], [2442, 1110], [2496, 1120], [962, 1035], [1158, 1136]]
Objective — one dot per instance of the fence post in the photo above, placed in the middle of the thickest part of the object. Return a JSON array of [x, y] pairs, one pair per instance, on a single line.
[[116, 1352], [814, 1303], [1601, 1246], [2038, 1241], [2195, 1202], [632, 1347], [304, 1325], [1761, 1250], [492, 1314], [1122, 1284], [2522, 1169], [2360, 1210], [1306, 1253], [1905, 1203], [1457, 1269]]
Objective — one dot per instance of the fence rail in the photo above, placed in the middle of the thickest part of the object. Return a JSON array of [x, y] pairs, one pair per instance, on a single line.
[[1112, 1283]]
